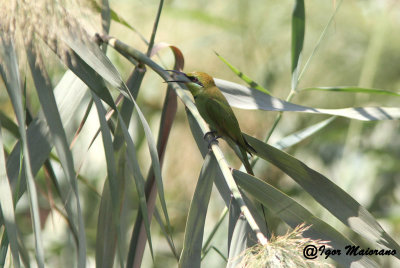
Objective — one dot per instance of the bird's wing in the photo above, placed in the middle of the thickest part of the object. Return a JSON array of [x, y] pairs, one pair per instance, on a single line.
[[222, 118], [219, 115]]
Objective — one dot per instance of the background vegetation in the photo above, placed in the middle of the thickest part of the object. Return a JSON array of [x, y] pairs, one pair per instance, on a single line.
[[351, 44]]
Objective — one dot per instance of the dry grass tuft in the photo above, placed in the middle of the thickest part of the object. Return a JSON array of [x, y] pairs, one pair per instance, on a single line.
[[23, 20], [283, 251]]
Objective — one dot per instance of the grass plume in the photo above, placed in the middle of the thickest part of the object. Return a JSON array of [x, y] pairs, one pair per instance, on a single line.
[[23, 20], [282, 251]]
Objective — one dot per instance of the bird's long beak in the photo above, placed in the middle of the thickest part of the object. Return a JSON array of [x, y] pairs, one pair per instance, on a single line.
[[178, 81], [177, 72]]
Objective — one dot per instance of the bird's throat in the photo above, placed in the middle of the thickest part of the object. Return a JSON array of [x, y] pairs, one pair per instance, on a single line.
[[195, 89]]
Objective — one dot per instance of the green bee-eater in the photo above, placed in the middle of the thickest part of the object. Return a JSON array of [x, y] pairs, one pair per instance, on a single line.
[[216, 111]]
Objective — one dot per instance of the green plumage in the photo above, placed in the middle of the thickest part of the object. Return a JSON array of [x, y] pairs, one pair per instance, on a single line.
[[216, 111]]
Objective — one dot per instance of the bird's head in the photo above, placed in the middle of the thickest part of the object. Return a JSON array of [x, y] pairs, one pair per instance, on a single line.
[[196, 81]]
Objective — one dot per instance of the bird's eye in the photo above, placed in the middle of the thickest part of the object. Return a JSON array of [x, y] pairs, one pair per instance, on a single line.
[[193, 79]]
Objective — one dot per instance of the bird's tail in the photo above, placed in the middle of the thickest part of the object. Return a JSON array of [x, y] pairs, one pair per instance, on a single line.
[[245, 161]]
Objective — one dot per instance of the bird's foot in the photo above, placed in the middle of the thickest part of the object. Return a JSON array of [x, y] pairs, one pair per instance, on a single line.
[[211, 138], [210, 134]]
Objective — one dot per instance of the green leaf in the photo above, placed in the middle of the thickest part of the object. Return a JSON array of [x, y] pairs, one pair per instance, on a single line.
[[354, 90], [39, 142], [206, 245], [105, 19], [121, 20], [10, 73], [59, 139], [240, 235], [300, 135], [69, 92], [167, 236], [9, 124], [328, 194], [97, 61], [240, 238], [85, 64], [114, 188], [244, 77], [94, 58], [7, 206], [191, 252], [294, 214], [197, 133], [106, 233], [155, 26], [155, 162], [226, 194], [133, 164], [109, 153], [126, 111], [150, 141], [246, 98], [298, 29], [3, 250]]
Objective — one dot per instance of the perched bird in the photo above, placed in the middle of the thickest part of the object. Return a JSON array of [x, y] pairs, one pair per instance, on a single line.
[[216, 111]]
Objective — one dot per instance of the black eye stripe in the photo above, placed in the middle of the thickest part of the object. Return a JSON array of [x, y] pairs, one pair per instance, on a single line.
[[194, 80]]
